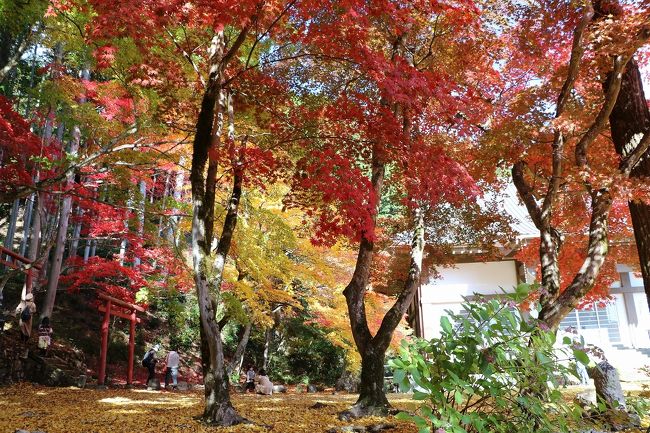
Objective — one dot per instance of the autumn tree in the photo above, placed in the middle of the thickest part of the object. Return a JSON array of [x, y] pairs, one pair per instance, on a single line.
[[393, 118], [570, 177], [629, 124]]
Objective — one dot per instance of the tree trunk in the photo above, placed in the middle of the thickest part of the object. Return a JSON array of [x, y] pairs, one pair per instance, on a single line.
[[629, 121], [178, 194], [11, 230], [208, 269], [76, 233], [268, 334], [27, 223], [238, 358], [64, 216], [372, 399], [142, 188]]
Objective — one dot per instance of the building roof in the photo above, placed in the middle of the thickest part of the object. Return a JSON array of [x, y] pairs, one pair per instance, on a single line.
[[513, 207]]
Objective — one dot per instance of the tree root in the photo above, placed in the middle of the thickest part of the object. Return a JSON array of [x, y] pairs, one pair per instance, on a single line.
[[225, 415], [361, 410]]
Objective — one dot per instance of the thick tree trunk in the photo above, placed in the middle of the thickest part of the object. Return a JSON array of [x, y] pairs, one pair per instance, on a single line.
[[372, 398], [556, 309], [629, 121], [208, 269], [64, 216]]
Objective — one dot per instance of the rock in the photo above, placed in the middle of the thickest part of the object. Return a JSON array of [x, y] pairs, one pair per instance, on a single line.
[[348, 382], [279, 388], [21, 431], [586, 398], [312, 388], [153, 385], [184, 386], [609, 391]]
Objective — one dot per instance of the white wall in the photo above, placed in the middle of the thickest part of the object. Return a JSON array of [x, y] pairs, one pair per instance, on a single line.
[[464, 279]]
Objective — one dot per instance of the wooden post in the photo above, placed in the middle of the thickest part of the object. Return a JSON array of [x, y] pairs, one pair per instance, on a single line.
[[129, 371], [104, 348]]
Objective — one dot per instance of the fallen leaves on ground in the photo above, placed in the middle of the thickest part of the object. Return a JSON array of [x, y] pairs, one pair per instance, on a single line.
[[72, 410]]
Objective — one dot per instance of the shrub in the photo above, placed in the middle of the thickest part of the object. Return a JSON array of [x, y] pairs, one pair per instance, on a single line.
[[490, 370]]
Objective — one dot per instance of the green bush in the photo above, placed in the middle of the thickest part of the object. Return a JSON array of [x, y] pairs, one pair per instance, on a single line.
[[490, 371]]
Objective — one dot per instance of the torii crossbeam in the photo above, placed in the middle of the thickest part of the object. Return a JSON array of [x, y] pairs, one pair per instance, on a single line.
[[16, 261], [125, 310]]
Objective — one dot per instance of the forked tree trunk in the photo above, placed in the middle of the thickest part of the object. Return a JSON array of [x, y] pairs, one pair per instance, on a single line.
[[208, 267], [372, 398]]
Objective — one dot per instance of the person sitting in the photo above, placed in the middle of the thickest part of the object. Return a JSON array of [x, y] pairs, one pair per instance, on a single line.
[[44, 335], [264, 384]]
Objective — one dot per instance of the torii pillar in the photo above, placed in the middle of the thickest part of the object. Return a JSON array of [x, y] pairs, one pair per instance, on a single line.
[[125, 310]]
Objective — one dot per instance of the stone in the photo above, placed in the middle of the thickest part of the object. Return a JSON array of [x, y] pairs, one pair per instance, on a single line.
[[586, 398], [312, 388], [279, 388], [348, 382], [610, 392], [184, 386], [153, 385]]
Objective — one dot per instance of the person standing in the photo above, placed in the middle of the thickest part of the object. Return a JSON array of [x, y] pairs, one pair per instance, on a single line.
[[25, 311], [172, 363], [44, 335], [250, 379], [149, 361]]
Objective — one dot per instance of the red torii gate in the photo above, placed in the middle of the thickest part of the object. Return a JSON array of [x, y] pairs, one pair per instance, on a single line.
[[125, 310], [16, 261]]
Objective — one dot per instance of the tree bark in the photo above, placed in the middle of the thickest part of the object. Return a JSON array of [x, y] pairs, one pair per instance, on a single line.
[[268, 335], [629, 122], [238, 358], [64, 216], [10, 61], [372, 398], [27, 223], [208, 267], [11, 230]]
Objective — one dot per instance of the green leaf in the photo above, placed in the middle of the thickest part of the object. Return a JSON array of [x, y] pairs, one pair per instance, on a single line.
[[581, 356], [445, 324], [403, 416]]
